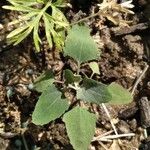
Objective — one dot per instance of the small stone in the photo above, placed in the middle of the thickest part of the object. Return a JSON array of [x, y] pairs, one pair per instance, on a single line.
[[29, 71], [144, 112], [30, 86], [1, 27], [123, 128], [148, 85], [9, 92], [133, 125], [18, 143], [128, 112]]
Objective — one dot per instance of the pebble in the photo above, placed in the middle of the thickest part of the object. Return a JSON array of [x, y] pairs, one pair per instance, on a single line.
[[128, 112], [1, 26], [30, 86], [133, 125], [29, 71], [123, 128], [18, 143], [144, 112], [9, 91]]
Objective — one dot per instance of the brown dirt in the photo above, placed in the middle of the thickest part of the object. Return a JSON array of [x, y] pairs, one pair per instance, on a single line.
[[123, 59]]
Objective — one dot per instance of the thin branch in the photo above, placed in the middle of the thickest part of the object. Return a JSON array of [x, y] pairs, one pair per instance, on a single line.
[[103, 145], [108, 115], [78, 68], [139, 79], [105, 140], [117, 136], [86, 18], [102, 135], [145, 133]]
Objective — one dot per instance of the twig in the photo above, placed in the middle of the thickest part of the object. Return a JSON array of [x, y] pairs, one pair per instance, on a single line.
[[145, 133], [139, 79], [86, 18], [117, 31], [102, 135], [117, 136], [108, 115], [103, 145], [105, 140]]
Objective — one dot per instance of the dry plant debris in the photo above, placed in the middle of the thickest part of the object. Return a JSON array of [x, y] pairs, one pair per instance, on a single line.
[[114, 11]]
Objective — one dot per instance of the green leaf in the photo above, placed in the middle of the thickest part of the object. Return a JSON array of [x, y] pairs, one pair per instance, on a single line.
[[119, 94], [70, 77], [95, 68], [49, 107], [23, 18], [93, 91], [20, 37], [32, 17], [80, 125], [19, 7], [36, 37], [17, 31], [48, 28], [58, 2], [80, 46], [44, 81], [29, 2]]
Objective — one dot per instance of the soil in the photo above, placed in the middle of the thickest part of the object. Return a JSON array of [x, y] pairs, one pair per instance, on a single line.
[[125, 53]]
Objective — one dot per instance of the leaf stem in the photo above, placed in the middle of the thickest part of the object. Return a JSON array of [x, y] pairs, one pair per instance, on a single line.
[[92, 75], [78, 68], [86, 18]]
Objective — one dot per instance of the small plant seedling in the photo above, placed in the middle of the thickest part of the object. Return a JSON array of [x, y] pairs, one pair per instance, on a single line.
[[80, 123], [37, 13]]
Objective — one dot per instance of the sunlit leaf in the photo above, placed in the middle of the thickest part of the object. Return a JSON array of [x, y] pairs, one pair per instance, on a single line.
[[80, 125], [49, 107], [119, 94], [48, 30], [17, 31], [23, 18], [22, 36], [44, 81], [93, 92], [36, 37], [70, 77], [32, 19], [80, 45], [95, 68]]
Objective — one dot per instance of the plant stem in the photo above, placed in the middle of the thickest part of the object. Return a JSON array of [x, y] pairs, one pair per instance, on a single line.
[[108, 115], [78, 68], [139, 79], [91, 75], [81, 20]]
